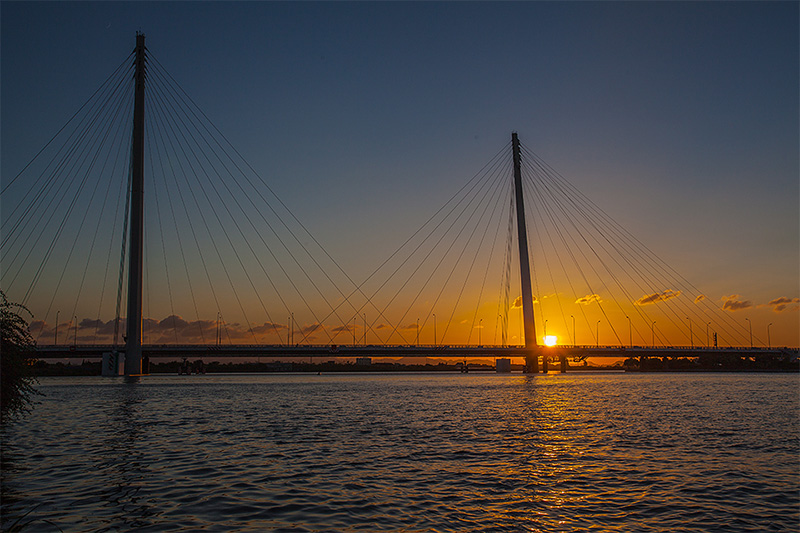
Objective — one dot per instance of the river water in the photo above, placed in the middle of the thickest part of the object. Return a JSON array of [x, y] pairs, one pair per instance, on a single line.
[[408, 452]]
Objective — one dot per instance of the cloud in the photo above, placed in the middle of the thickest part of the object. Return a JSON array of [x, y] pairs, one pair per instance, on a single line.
[[36, 325], [784, 304], [311, 328], [731, 303], [341, 329], [412, 326], [269, 327], [381, 326], [657, 297], [516, 304], [700, 298], [89, 323], [169, 330], [173, 322], [589, 298], [104, 328]]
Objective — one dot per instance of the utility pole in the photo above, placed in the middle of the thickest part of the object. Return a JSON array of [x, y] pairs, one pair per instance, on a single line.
[[133, 343], [531, 346]]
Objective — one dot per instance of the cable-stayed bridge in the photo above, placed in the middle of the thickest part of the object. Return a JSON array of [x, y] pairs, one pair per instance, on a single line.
[[140, 207]]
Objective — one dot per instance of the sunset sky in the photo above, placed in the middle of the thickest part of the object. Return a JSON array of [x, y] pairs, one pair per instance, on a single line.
[[679, 120]]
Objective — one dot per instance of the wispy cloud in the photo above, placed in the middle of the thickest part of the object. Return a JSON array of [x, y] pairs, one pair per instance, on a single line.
[[732, 303], [700, 298], [783, 303], [657, 297], [588, 299]]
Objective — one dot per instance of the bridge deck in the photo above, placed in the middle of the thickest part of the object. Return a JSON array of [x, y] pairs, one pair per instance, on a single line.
[[454, 351]]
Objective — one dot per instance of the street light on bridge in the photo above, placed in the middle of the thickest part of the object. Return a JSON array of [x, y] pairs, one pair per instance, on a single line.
[[630, 331], [598, 334], [574, 340], [769, 340], [502, 332], [750, 324]]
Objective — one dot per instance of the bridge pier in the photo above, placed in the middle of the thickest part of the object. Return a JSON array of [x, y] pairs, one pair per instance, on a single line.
[[531, 364], [564, 364], [545, 366]]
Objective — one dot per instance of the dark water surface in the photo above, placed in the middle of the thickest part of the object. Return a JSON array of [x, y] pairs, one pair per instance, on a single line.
[[408, 452]]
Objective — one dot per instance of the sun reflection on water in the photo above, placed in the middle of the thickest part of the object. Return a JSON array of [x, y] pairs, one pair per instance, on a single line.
[[408, 452]]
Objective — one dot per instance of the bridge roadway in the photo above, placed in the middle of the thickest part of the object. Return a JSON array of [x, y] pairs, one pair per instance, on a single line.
[[448, 351]]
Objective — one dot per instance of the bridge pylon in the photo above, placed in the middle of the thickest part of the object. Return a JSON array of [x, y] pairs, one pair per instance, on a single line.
[[529, 327], [133, 339]]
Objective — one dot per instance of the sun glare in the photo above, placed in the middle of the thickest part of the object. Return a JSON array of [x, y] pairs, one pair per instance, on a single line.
[[550, 340]]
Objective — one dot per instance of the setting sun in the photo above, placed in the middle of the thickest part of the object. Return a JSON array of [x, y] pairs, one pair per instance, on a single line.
[[550, 340]]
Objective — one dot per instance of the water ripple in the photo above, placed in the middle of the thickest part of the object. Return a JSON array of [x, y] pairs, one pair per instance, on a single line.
[[574, 452]]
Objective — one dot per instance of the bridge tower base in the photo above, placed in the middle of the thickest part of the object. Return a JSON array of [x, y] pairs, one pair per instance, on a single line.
[[531, 364]]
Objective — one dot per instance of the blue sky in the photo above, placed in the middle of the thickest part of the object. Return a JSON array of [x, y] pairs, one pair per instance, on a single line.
[[679, 119]]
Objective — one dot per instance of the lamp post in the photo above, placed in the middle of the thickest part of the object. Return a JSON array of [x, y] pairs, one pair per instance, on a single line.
[[502, 332], [574, 340], [434, 330], [76, 330], [598, 334], [769, 340], [630, 331], [545, 331], [480, 328], [750, 324], [691, 338]]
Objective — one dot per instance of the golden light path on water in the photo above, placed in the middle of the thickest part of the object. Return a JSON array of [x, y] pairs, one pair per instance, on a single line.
[[409, 452]]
